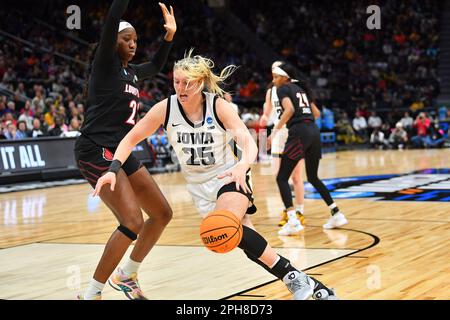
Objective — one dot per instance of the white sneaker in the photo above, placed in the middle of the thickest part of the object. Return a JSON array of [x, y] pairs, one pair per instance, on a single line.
[[299, 284], [335, 221], [291, 228]]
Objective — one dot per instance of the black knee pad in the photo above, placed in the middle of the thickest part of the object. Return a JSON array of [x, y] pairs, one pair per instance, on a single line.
[[252, 242], [130, 234]]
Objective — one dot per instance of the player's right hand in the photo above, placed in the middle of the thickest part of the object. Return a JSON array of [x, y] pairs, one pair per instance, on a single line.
[[108, 178]]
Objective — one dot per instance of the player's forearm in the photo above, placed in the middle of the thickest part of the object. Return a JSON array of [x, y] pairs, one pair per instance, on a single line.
[[109, 33], [124, 150], [249, 151], [150, 69], [287, 114]]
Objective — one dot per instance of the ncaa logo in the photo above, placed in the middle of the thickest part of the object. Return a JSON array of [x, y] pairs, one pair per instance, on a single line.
[[209, 120]]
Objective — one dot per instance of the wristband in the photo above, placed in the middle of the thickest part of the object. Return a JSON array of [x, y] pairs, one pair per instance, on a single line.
[[115, 166]]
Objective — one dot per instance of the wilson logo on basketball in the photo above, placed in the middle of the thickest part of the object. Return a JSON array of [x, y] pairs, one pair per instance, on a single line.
[[212, 239], [107, 155]]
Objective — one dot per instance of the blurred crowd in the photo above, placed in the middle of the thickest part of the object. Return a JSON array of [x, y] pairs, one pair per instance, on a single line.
[[394, 67], [367, 77], [394, 130]]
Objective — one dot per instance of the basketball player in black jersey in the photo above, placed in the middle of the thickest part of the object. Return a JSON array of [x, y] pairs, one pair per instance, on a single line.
[[303, 142], [111, 112]]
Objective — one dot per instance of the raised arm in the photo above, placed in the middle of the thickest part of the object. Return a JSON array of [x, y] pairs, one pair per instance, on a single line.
[[107, 45], [149, 69], [143, 129]]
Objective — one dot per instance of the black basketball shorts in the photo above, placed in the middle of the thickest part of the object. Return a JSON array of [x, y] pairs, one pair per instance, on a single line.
[[93, 160], [231, 187], [303, 142]]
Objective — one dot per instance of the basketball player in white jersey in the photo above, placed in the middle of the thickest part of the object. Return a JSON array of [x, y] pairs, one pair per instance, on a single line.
[[200, 125], [272, 113]]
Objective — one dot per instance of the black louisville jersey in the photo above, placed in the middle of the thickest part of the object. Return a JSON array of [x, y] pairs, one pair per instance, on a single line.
[[299, 98], [113, 97], [112, 106]]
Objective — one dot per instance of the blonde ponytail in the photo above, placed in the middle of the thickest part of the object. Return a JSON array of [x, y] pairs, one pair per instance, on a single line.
[[199, 69]]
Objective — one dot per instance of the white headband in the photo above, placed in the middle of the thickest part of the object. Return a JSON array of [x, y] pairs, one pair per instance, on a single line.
[[276, 64], [123, 25], [280, 72]]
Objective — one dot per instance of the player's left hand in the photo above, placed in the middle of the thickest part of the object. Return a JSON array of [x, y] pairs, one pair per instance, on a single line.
[[238, 174], [169, 21]]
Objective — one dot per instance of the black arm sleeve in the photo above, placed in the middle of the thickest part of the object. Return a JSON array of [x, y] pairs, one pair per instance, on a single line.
[[149, 69], [107, 46]]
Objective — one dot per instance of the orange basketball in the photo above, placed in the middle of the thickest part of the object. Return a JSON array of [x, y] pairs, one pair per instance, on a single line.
[[221, 231]]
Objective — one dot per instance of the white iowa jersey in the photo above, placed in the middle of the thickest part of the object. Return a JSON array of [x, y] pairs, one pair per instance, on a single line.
[[204, 149], [277, 110]]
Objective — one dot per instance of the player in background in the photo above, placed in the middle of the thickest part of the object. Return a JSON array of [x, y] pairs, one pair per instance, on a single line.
[[272, 112], [303, 142]]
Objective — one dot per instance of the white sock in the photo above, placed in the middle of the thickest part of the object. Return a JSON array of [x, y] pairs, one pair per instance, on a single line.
[[130, 267], [292, 217], [276, 261], [93, 289], [301, 208], [334, 209]]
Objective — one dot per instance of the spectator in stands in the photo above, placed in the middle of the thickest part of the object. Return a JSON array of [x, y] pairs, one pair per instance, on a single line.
[[27, 115], [37, 131], [407, 122], [360, 126], [436, 137], [399, 137], [61, 111], [20, 91], [73, 130], [22, 132], [374, 121], [8, 117], [11, 131], [50, 116], [344, 129], [38, 98], [377, 139], [421, 124], [57, 128], [11, 108], [80, 108]]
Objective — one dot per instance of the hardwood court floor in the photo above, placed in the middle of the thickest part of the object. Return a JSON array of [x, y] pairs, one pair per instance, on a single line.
[[51, 240]]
